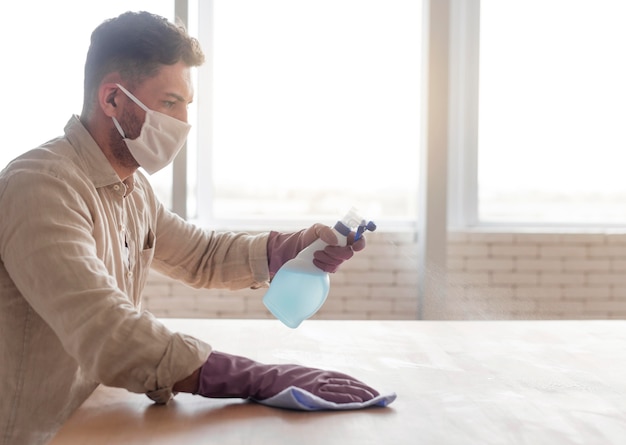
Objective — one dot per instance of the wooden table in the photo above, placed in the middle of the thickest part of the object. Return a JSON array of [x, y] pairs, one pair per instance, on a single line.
[[458, 382]]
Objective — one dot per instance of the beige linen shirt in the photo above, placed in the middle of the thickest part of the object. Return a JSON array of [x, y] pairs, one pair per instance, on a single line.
[[76, 244]]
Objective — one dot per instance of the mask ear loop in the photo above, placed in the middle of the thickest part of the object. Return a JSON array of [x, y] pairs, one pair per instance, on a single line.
[[119, 127], [133, 98]]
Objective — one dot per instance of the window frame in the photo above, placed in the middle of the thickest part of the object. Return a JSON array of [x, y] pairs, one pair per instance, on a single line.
[[463, 116]]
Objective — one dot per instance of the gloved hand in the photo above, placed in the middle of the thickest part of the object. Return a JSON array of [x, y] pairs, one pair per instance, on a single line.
[[282, 247], [224, 375]]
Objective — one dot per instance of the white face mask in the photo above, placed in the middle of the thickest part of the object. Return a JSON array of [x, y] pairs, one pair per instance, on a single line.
[[160, 140]]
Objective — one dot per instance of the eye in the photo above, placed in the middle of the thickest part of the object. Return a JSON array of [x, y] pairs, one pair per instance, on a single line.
[[169, 103]]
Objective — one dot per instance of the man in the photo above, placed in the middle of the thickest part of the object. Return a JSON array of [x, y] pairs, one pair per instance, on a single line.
[[80, 228]]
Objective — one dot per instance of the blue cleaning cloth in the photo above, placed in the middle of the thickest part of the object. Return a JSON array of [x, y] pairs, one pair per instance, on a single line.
[[299, 399]]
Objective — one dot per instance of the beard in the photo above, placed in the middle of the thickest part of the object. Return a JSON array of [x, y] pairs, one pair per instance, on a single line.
[[131, 125]]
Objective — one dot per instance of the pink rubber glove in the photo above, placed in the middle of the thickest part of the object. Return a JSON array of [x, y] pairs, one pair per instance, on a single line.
[[282, 247], [230, 376]]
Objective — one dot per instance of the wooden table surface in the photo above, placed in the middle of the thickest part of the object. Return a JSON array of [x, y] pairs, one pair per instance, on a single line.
[[458, 382]]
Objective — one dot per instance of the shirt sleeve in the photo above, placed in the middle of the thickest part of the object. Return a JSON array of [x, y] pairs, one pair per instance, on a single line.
[[208, 259], [48, 248]]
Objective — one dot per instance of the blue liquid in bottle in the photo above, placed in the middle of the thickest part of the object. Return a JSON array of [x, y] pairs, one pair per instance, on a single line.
[[299, 288]]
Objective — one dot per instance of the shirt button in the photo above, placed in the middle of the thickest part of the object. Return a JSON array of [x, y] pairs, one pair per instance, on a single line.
[[130, 274], [116, 187]]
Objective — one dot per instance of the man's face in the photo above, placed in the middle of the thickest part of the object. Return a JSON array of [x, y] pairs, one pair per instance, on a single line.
[[170, 92]]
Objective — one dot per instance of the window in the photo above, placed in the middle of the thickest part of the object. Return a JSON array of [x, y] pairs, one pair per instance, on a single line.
[[306, 108], [551, 144], [315, 108]]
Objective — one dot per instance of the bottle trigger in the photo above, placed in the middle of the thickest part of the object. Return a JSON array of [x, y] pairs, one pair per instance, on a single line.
[[363, 227]]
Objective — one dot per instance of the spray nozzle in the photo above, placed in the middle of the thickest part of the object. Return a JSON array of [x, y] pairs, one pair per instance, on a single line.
[[352, 220]]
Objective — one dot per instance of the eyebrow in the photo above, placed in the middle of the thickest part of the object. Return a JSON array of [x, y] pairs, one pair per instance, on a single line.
[[178, 97]]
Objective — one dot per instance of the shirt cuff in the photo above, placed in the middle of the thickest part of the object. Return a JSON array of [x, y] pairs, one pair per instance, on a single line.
[[183, 355]]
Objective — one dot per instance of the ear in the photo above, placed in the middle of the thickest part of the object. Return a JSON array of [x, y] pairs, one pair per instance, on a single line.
[[108, 95]]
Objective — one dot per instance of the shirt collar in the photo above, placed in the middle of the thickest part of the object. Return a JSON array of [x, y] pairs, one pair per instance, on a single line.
[[97, 166]]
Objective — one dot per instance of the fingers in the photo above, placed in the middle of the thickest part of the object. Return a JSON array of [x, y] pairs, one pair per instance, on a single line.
[[311, 234], [357, 245], [321, 231], [332, 257], [346, 392], [326, 234]]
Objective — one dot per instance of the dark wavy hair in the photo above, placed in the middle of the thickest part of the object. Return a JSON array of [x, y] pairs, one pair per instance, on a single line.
[[136, 44]]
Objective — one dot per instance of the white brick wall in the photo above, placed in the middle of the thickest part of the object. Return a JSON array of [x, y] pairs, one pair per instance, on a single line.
[[490, 276], [525, 275]]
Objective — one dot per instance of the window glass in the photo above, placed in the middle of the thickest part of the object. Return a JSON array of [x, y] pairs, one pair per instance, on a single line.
[[44, 45], [552, 148], [316, 108]]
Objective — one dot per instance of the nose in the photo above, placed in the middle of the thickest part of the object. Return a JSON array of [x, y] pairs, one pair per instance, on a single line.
[[182, 115]]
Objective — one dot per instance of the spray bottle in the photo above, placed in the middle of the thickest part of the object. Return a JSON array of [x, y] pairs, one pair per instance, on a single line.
[[299, 288]]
